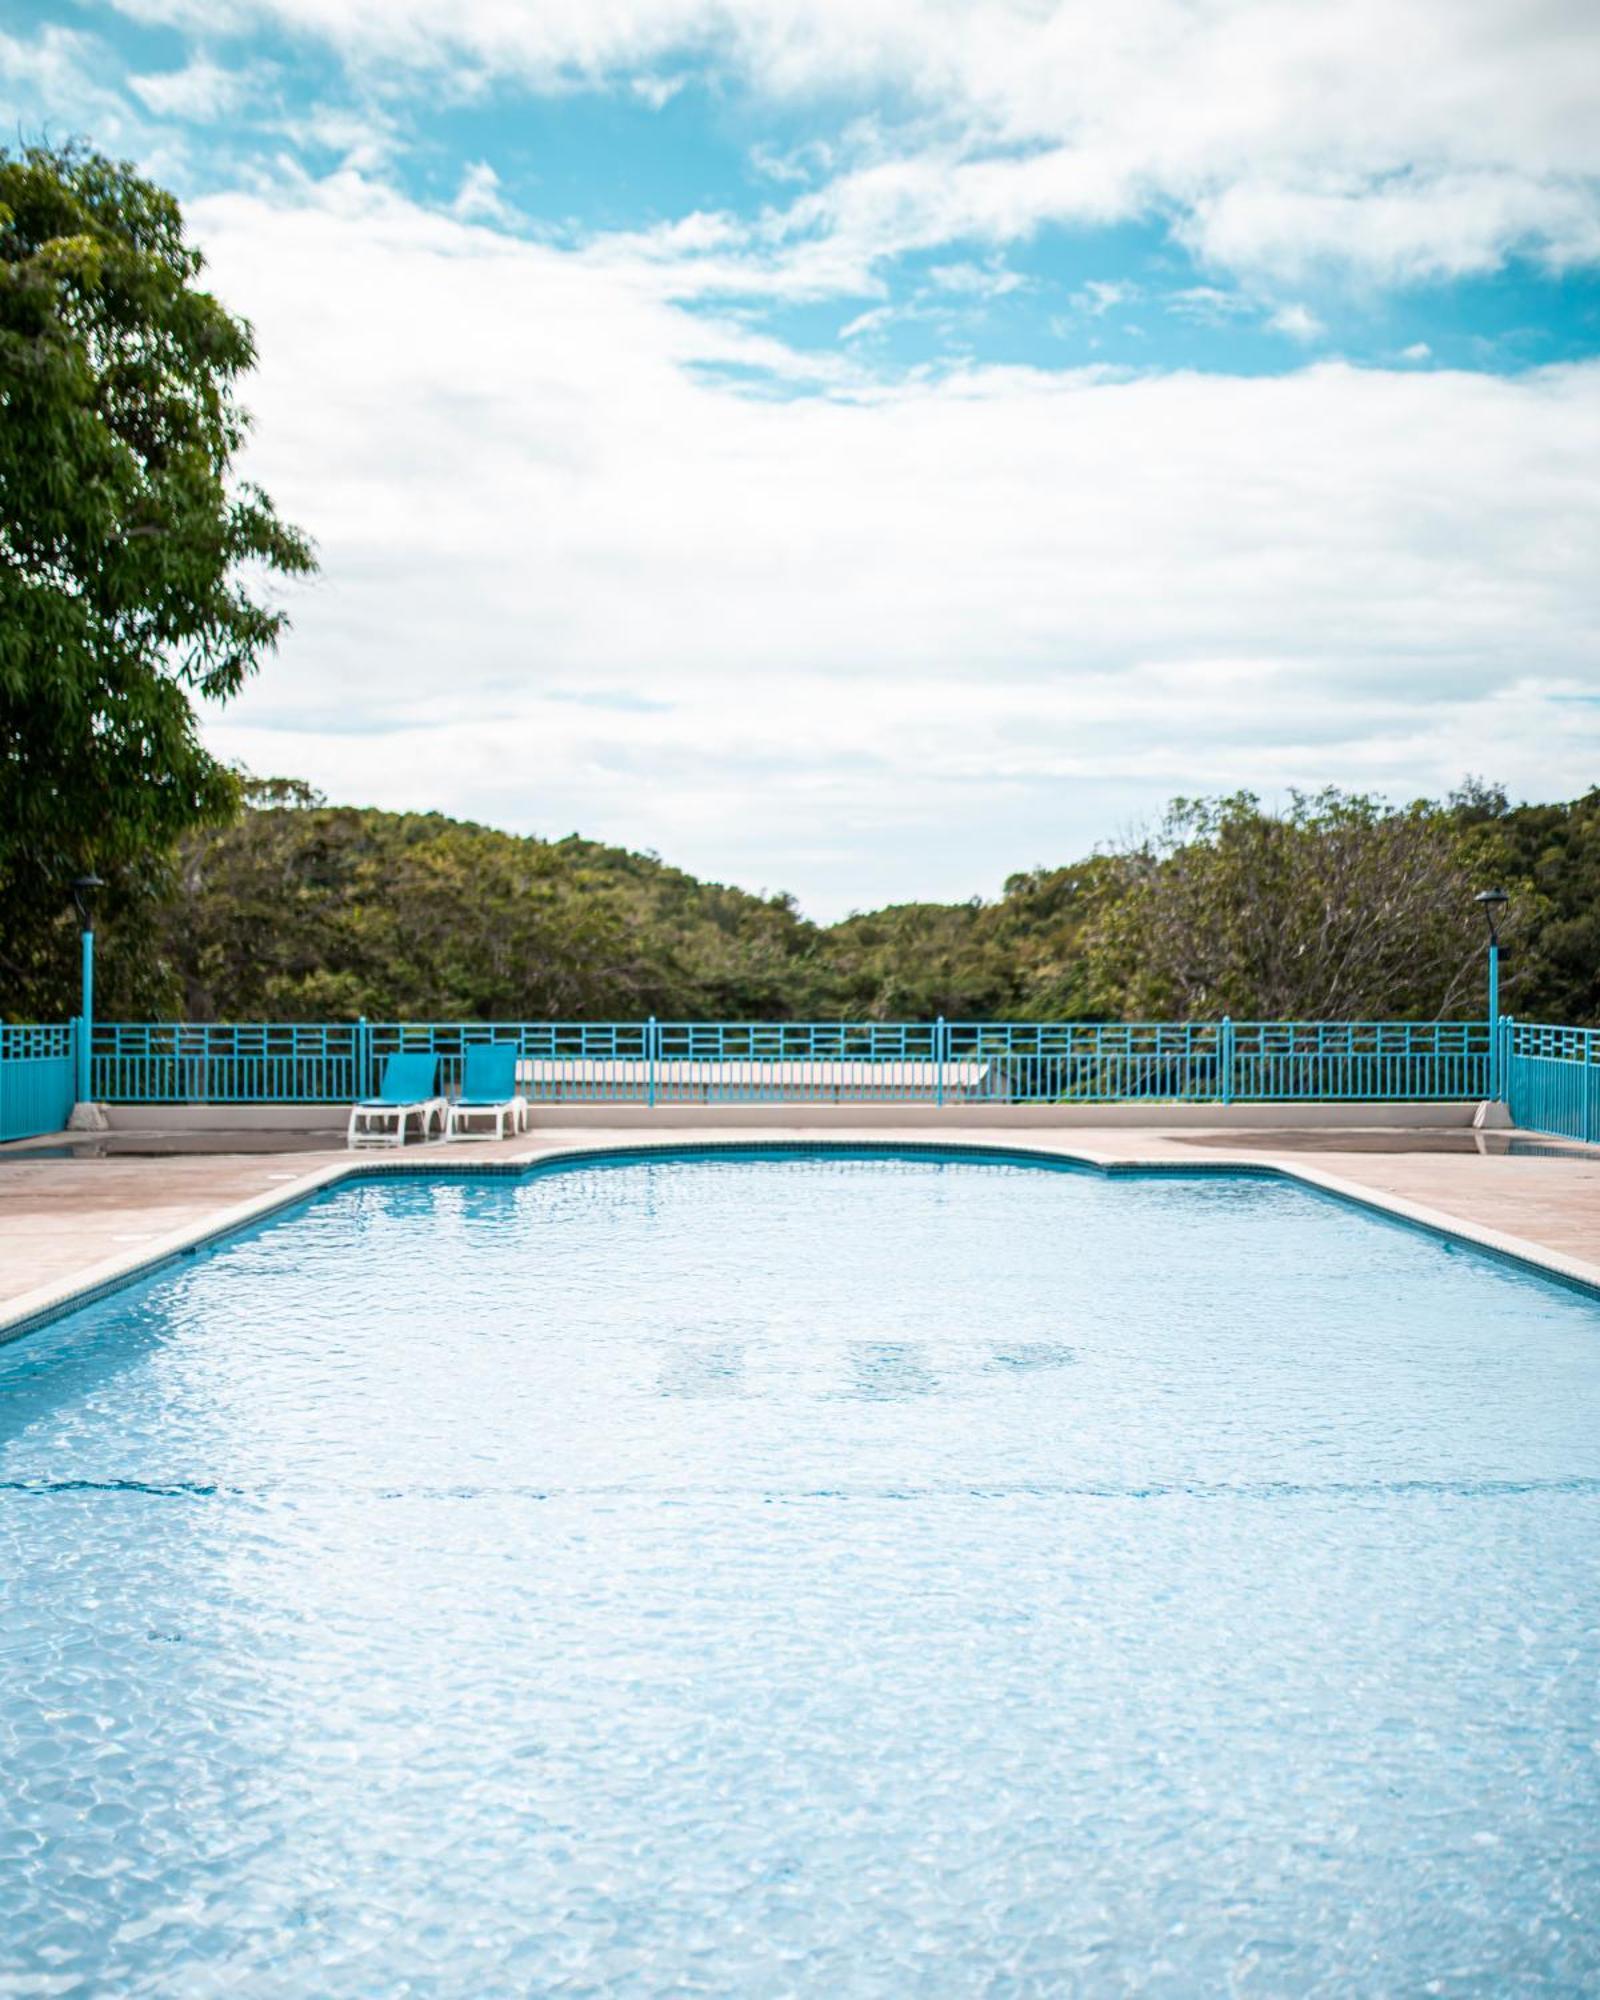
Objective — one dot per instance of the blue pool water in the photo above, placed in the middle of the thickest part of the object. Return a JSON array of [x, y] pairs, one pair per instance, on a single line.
[[806, 1577]]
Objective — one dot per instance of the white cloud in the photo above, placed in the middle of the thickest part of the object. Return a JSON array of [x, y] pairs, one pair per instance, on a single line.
[[1100, 295], [872, 321], [1298, 322], [898, 640], [799, 166], [60, 71], [1207, 305], [1400, 139], [200, 92], [657, 91], [57, 59], [479, 199], [989, 281], [1430, 226]]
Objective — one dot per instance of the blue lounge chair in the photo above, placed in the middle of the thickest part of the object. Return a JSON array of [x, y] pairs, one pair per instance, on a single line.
[[488, 1090], [410, 1089]]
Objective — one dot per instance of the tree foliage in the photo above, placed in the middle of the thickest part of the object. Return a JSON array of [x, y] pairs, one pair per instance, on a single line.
[[1552, 855], [130, 560], [1338, 905], [1338, 908], [305, 911]]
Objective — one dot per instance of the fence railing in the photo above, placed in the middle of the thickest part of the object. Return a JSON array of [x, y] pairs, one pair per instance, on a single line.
[[1552, 1079], [1549, 1076], [929, 1062], [256, 1062], [37, 1079]]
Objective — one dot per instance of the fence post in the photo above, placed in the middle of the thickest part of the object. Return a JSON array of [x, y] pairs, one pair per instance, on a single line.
[[86, 1016], [651, 1037], [363, 1077], [1225, 1056], [940, 1043]]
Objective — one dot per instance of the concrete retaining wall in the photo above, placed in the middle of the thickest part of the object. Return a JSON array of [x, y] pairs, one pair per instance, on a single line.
[[324, 1119]]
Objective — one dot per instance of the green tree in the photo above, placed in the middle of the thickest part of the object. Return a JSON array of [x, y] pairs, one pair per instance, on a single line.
[[1550, 859], [297, 910], [914, 961], [1341, 907], [125, 547]]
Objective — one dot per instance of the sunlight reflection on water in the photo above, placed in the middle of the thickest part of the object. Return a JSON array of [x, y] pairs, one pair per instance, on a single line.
[[805, 1577]]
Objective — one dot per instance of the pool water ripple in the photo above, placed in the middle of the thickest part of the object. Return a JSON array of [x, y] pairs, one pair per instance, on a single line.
[[806, 1577]]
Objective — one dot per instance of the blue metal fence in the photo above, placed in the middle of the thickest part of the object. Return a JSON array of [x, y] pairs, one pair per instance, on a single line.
[[37, 1082], [928, 1062], [255, 1062], [1552, 1079], [1550, 1076]]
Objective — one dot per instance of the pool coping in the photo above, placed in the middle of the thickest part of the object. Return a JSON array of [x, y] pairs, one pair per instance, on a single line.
[[29, 1311]]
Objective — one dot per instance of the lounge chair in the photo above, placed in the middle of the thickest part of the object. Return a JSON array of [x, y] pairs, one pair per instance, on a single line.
[[410, 1089], [488, 1090]]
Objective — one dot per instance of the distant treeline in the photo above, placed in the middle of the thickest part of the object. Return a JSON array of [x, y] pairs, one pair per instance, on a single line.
[[1338, 906]]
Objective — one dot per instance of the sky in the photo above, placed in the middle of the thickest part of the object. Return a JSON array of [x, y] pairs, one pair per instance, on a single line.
[[864, 448]]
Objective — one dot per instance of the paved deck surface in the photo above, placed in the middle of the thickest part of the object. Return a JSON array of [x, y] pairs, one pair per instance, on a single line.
[[71, 1224]]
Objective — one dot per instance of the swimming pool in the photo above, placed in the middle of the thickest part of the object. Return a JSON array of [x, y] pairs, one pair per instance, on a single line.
[[810, 1576]]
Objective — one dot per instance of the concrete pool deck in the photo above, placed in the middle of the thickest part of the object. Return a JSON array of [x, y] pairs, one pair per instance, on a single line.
[[72, 1228]]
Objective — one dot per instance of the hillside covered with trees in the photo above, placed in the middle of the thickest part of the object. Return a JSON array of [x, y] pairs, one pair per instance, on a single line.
[[1338, 906]]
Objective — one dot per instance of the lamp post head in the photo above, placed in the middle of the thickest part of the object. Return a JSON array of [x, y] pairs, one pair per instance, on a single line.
[[84, 891], [1493, 903]]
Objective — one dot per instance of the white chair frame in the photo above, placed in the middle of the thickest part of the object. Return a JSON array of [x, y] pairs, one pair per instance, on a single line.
[[512, 1110], [385, 1124]]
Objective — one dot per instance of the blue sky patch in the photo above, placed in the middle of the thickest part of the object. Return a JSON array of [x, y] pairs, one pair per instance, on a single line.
[[871, 449]]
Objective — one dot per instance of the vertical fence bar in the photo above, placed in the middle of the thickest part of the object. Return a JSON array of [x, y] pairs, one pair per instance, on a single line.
[[1494, 1013], [1590, 1077], [86, 1016], [652, 1036], [1225, 1057]]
